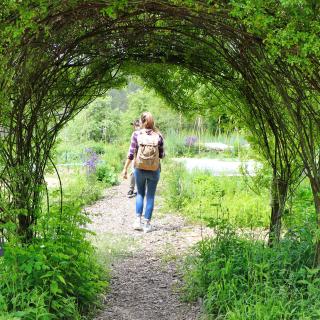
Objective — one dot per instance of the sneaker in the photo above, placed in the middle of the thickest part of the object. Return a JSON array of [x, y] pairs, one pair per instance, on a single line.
[[137, 224], [147, 227], [130, 194]]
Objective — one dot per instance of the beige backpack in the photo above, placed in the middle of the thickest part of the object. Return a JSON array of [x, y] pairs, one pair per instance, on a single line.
[[147, 157]]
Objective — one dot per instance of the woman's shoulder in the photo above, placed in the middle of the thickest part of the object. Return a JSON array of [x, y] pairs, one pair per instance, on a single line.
[[136, 132], [148, 131], [134, 135], [160, 138], [159, 134]]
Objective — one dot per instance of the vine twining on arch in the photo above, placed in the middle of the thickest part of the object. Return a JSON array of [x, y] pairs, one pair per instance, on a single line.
[[58, 56]]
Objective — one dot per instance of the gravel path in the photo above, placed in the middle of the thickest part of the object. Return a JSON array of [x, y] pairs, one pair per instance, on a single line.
[[146, 279]]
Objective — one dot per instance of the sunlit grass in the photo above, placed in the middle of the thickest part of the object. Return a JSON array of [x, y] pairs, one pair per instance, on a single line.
[[200, 196]]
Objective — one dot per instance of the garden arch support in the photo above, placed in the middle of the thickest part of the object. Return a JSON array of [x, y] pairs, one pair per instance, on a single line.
[[74, 52]]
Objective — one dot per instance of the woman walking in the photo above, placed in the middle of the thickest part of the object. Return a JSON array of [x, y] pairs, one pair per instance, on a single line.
[[146, 150]]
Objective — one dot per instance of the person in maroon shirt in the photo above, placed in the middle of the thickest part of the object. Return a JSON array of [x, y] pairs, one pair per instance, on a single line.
[[146, 180]]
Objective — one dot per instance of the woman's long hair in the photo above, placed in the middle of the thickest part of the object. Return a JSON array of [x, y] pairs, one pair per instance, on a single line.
[[147, 121]]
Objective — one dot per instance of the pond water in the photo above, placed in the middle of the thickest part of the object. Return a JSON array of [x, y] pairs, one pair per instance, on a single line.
[[219, 167]]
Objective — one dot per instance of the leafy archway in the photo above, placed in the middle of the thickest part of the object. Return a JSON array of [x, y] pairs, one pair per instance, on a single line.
[[57, 57]]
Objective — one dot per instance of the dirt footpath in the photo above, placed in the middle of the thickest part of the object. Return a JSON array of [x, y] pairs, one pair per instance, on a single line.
[[146, 277]]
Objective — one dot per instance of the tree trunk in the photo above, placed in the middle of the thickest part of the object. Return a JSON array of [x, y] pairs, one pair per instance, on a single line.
[[24, 230], [26, 202], [315, 186], [279, 191]]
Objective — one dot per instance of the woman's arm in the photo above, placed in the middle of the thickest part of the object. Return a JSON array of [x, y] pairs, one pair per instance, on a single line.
[[133, 146], [125, 169], [161, 147]]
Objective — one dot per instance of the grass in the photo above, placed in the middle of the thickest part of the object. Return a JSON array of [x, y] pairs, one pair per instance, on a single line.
[[239, 278], [77, 187], [244, 201], [200, 196]]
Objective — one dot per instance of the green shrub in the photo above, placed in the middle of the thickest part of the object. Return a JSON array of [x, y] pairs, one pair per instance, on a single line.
[[201, 196], [240, 278], [57, 276], [300, 209], [106, 174], [80, 188], [115, 155], [112, 163], [98, 148]]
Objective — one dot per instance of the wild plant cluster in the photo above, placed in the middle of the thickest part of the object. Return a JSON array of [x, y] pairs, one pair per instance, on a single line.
[[242, 278], [200, 196], [57, 276], [236, 273]]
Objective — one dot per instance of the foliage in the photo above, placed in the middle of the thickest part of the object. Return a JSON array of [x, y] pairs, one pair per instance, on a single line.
[[267, 134], [240, 278], [106, 174], [57, 276], [79, 142], [300, 212], [115, 155], [98, 122], [189, 94], [289, 29], [80, 188], [175, 145], [148, 100], [58, 56], [71, 152], [119, 97], [201, 196], [89, 63], [102, 162]]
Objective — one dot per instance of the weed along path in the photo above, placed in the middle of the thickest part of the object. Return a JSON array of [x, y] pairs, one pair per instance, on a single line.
[[145, 268]]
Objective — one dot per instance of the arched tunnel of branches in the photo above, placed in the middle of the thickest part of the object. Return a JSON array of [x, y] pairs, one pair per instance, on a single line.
[[68, 53]]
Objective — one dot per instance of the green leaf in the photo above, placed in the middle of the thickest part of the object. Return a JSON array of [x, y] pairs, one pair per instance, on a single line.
[[54, 288], [61, 279]]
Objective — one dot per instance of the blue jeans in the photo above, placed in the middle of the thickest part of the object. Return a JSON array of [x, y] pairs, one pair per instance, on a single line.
[[146, 182]]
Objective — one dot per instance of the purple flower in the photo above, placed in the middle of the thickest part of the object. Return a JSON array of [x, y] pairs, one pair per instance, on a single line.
[[91, 161], [190, 141]]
